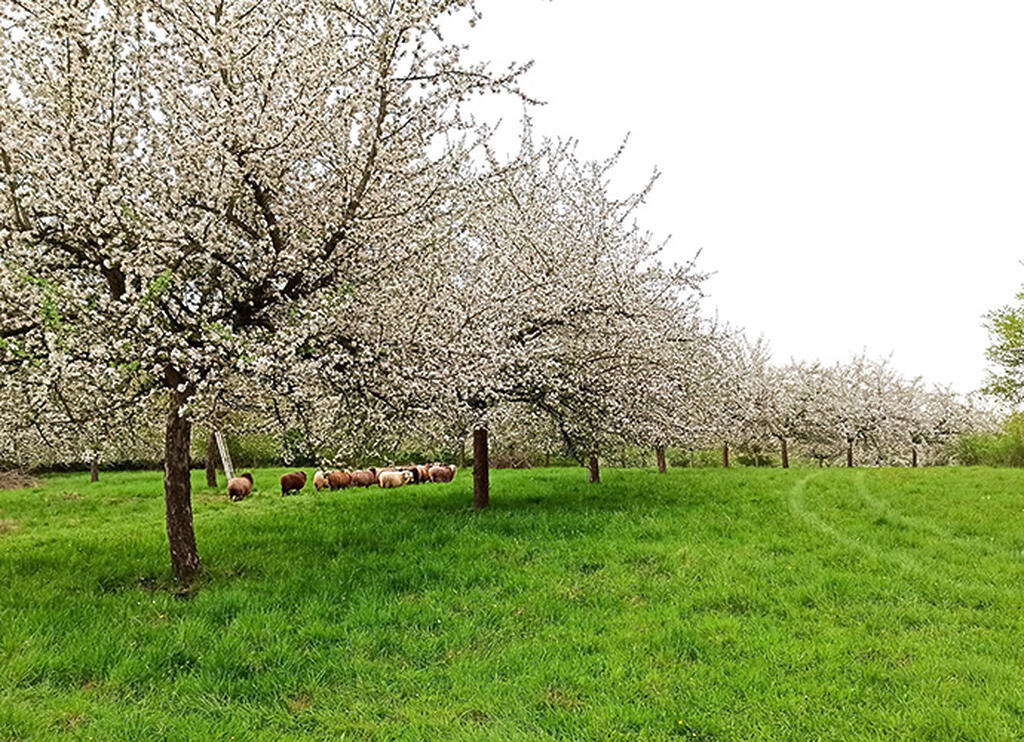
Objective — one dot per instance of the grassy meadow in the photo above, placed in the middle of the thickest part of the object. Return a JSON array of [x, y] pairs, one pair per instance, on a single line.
[[703, 604]]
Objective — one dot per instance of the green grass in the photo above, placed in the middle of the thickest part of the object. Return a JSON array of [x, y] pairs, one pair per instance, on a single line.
[[701, 605]]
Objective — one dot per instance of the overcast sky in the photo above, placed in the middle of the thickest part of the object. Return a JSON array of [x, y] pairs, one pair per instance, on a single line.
[[854, 172]]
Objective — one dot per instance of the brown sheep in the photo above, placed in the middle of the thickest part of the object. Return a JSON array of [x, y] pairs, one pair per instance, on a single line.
[[439, 473], [292, 483], [423, 472], [363, 478], [320, 481], [339, 480], [392, 479], [240, 487]]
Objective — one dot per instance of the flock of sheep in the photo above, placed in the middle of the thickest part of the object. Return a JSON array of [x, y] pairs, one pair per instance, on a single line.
[[240, 487]]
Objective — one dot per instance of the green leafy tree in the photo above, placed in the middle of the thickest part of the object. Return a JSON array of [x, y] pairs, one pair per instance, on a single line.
[[1006, 352]]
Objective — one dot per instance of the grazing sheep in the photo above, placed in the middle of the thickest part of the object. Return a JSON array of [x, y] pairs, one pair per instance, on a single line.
[[240, 487], [320, 481], [339, 480], [424, 472], [363, 478], [440, 473], [412, 470], [292, 483], [392, 479]]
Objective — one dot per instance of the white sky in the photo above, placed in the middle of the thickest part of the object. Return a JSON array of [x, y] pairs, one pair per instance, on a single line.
[[854, 171]]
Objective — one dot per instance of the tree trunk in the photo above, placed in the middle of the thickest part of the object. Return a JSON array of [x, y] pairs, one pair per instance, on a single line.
[[914, 457], [212, 452], [849, 454], [481, 469], [595, 469], [94, 471], [785, 454], [662, 466], [725, 455], [178, 490], [462, 453], [547, 460]]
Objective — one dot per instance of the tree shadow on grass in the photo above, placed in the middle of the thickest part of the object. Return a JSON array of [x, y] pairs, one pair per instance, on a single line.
[[409, 539], [367, 538]]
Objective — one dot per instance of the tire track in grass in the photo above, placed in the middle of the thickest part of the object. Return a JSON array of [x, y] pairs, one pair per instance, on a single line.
[[877, 555], [915, 523], [798, 508], [957, 568]]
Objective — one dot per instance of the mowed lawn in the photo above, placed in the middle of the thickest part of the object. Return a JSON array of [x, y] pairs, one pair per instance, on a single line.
[[702, 604]]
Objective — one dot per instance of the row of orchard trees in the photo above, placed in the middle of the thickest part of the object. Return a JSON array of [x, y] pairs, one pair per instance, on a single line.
[[721, 391], [282, 216], [858, 412], [729, 396], [284, 212]]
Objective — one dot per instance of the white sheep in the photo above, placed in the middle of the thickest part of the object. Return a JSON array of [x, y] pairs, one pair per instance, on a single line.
[[392, 479]]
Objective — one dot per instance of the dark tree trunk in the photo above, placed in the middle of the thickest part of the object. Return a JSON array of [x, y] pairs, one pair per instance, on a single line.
[[212, 452], [595, 469], [94, 471], [785, 454], [481, 470], [547, 460], [462, 454], [725, 455], [913, 457], [821, 463], [178, 491], [849, 454], [662, 465]]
